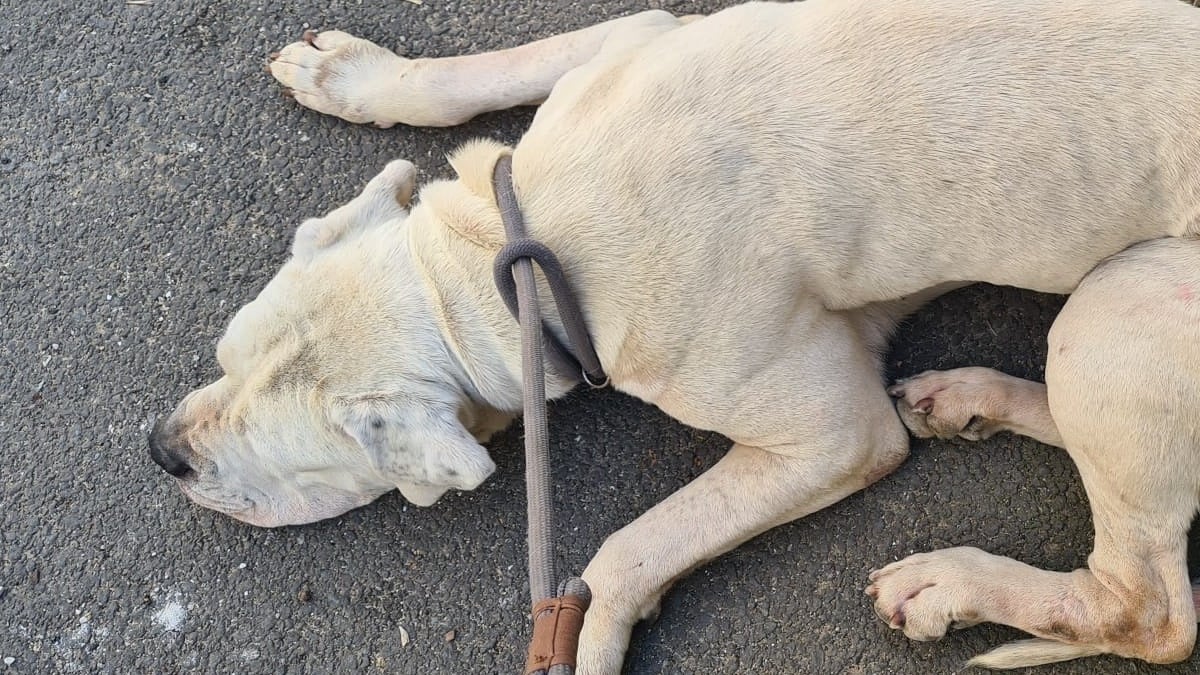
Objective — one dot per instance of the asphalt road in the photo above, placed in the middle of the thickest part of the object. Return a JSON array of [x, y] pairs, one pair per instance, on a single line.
[[151, 178]]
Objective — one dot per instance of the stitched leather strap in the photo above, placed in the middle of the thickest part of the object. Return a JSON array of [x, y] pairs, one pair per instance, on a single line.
[[556, 626]]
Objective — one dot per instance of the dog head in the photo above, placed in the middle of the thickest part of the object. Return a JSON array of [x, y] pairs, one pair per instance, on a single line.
[[337, 385]]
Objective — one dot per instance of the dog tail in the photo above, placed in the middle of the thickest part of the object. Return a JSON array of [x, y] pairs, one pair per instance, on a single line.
[[1027, 653]]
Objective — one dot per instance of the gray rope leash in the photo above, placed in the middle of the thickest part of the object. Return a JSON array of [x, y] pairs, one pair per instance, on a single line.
[[577, 357], [557, 619]]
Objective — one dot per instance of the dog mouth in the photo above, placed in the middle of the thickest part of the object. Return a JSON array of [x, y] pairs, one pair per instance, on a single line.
[[291, 503], [230, 505]]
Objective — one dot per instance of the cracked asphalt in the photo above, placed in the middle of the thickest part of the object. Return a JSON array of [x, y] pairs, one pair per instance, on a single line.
[[152, 177]]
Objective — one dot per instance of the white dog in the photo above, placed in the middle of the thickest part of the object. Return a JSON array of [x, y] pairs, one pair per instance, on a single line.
[[746, 204]]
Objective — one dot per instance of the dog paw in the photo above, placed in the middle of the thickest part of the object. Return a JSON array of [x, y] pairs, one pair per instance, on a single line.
[[926, 594], [601, 647], [594, 660], [607, 626], [338, 74], [949, 403]]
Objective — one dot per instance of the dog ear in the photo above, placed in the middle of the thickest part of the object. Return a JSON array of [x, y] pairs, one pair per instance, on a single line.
[[385, 198], [422, 448], [315, 234], [474, 160]]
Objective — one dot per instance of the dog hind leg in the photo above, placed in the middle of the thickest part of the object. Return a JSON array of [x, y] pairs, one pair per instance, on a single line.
[[1123, 384], [974, 403]]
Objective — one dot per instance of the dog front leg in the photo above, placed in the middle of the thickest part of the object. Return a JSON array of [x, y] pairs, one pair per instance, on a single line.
[[354, 79], [749, 491]]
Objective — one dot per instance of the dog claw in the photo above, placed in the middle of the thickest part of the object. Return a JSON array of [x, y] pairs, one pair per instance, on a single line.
[[287, 92], [895, 621], [310, 36], [273, 56]]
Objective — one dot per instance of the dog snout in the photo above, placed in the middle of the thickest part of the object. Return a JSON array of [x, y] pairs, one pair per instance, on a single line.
[[170, 455]]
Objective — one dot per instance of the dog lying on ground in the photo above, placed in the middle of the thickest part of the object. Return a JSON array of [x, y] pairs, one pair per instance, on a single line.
[[746, 204]]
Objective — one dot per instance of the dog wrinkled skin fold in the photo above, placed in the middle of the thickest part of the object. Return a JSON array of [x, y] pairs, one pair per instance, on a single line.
[[746, 204]]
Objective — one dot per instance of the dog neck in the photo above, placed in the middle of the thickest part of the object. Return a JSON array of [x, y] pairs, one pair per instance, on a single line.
[[455, 234]]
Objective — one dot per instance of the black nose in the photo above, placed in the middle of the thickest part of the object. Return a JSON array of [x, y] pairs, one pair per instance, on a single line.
[[164, 455]]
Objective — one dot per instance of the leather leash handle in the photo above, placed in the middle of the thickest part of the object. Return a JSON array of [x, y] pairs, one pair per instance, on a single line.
[[556, 626]]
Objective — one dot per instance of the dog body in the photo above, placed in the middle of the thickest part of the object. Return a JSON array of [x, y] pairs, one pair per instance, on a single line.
[[745, 204]]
